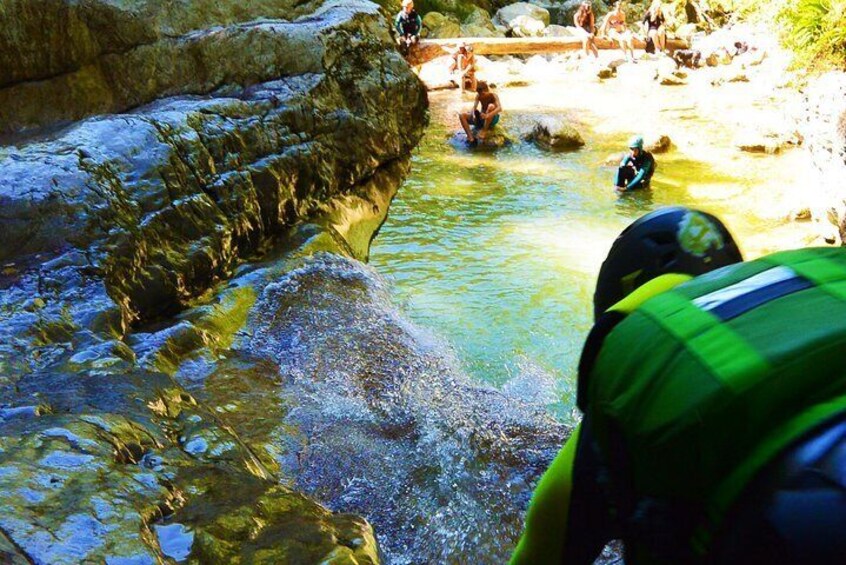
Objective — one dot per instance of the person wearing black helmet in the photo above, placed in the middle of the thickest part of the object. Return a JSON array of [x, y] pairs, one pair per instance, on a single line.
[[714, 404], [636, 168]]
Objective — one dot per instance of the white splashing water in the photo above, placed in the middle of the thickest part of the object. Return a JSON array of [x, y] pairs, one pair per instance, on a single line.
[[392, 428]]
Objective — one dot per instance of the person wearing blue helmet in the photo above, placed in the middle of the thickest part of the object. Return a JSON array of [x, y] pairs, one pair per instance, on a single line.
[[636, 168]]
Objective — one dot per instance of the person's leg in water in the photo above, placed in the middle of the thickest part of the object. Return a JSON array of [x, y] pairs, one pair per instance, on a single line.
[[624, 176], [464, 118]]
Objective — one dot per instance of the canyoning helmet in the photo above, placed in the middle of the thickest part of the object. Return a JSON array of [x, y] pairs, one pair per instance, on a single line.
[[669, 240], [636, 142]]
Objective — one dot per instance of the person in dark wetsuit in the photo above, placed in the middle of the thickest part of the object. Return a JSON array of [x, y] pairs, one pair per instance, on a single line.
[[636, 168], [585, 23], [408, 25], [484, 119]]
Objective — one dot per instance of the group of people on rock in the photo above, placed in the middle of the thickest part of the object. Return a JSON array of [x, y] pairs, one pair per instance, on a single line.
[[614, 27]]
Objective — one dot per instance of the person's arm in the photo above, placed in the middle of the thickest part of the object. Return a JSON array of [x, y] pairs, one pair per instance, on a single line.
[[419, 21], [398, 24], [497, 109], [648, 164], [592, 22], [576, 19], [475, 103], [568, 520], [544, 536]]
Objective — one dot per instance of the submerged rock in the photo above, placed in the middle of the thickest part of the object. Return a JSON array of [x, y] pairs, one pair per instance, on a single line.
[[497, 138]]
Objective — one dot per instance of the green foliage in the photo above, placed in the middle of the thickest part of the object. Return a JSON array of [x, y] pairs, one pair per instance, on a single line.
[[816, 31]]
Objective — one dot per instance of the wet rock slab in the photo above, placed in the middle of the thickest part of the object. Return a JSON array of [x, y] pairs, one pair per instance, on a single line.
[[117, 231]]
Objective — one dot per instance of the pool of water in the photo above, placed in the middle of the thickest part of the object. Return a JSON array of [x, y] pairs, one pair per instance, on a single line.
[[498, 252]]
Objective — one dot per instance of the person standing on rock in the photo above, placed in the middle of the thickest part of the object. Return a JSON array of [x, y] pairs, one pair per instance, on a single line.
[[614, 27], [636, 168], [585, 23], [484, 119], [408, 25]]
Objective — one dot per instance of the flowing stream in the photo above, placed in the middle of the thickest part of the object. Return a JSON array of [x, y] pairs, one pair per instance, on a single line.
[[498, 251]]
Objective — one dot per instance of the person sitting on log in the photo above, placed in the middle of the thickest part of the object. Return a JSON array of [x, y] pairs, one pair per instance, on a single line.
[[464, 65], [408, 25], [614, 27], [653, 22], [481, 120], [585, 23]]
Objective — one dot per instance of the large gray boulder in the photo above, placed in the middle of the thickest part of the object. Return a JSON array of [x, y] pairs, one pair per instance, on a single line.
[[69, 60], [479, 24], [243, 128], [525, 26], [559, 31], [506, 16], [440, 26]]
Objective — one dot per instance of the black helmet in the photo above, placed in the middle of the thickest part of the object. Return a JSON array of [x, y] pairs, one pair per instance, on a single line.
[[669, 240]]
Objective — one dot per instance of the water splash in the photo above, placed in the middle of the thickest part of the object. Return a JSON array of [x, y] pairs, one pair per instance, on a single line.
[[391, 427]]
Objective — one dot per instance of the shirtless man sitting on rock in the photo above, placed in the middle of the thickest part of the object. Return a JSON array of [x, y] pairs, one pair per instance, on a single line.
[[483, 119]]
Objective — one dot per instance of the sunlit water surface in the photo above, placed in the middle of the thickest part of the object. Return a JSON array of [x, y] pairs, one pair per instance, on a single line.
[[498, 251]]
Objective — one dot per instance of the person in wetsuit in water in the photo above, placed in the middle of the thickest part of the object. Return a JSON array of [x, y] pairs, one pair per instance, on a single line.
[[636, 168]]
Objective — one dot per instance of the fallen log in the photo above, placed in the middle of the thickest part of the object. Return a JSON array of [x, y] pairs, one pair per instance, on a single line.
[[429, 49]]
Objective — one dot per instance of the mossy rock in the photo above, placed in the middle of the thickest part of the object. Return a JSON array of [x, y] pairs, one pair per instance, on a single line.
[[440, 26], [555, 135]]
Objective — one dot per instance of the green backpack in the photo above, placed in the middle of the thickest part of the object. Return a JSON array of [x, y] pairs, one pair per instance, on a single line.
[[705, 383]]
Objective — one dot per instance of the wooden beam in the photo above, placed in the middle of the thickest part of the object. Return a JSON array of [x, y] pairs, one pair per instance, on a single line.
[[429, 49]]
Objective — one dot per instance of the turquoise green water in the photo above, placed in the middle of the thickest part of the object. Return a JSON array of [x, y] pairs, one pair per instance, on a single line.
[[497, 252]]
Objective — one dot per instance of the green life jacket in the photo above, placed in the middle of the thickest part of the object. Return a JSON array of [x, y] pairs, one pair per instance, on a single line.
[[705, 383]]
